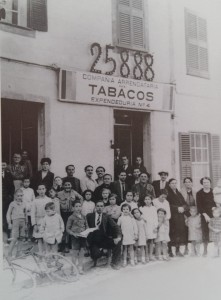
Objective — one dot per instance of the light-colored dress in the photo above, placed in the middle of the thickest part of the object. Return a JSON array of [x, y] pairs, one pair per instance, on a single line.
[[194, 228], [142, 233], [129, 229], [163, 232], [150, 215], [113, 211], [52, 228], [37, 214]]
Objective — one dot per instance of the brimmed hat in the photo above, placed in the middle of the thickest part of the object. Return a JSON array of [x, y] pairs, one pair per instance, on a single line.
[[163, 172]]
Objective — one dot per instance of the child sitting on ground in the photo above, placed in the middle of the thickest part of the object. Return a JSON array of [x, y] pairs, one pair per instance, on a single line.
[[75, 225], [28, 198], [38, 213], [52, 228], [16, 218], [113, 210]]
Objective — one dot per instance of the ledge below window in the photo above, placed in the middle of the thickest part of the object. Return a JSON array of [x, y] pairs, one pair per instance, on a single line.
[[17, 29]]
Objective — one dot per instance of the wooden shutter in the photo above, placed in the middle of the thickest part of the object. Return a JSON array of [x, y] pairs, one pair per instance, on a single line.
[[215, 158], [185, 156], [37, 19], [131, 33], [196, 45]]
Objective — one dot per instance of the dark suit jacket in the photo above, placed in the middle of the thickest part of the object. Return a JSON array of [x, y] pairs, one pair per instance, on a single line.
[[117, 190], [108, 227], [47, 180], [156, 185], [75, 183]]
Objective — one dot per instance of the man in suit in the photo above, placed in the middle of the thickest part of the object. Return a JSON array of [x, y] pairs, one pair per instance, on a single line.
[[121, 187], [162, 184], [75, 182], [127, 168], [7, 194], [106, 236], [44, 176]]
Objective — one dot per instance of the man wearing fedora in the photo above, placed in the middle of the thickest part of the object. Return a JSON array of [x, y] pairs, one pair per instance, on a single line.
[[162, 184]]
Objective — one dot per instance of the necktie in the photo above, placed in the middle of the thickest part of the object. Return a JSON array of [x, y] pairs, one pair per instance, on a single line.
[[99, 220]]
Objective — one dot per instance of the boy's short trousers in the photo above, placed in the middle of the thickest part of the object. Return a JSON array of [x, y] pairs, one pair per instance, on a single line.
[[78, 243], [18, 228]]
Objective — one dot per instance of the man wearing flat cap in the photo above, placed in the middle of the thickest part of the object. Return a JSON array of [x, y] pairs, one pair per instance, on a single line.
[[162, 184]]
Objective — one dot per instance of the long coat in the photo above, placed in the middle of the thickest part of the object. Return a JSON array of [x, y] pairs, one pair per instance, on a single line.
[[178, 231], [205, 203]]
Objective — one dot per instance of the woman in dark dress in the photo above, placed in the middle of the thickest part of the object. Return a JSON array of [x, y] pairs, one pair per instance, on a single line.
[[205, 203], [179, 208]]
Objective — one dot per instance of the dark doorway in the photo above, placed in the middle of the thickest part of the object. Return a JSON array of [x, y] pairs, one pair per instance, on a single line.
[[20, 129], [128, 133]]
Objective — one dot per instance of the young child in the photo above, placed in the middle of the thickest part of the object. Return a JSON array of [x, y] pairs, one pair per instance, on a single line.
[[142, 235], [136, 199], [162, 234], [129, 231], [58, 184], [150, 216], [75, 225], [88, 205], [113, 210], [105, 193], [162, 202], [194, 231], [52, 228], [28, 198], [215, 231], [38, 213], [129, 200], [55, 200], [16, 218]]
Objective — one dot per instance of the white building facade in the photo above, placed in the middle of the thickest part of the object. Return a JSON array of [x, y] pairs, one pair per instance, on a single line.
[[80, 78]]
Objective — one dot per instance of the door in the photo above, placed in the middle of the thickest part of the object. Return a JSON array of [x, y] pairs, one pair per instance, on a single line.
[[20, 129]]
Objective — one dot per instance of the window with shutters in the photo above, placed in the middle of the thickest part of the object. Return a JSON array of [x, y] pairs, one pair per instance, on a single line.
[[131, 27], [26, 13], [199, 157], [197, 59]]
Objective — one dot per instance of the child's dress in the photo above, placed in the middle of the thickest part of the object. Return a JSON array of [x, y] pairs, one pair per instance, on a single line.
[[150, 215], [52, 228], [163, 232], [142, 233], [216, 224], [37, 214], [113, 211], [194, 228], [129, 229]]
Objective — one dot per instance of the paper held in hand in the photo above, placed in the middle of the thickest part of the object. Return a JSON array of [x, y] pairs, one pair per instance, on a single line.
[[86, 232]]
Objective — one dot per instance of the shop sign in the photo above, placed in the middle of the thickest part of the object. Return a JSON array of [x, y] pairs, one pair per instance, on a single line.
[[106, 90]]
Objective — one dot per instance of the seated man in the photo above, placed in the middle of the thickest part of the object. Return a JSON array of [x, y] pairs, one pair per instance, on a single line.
[[107, 235]]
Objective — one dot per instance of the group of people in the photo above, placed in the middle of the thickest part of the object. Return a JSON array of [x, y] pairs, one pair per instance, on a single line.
[[129, 219]]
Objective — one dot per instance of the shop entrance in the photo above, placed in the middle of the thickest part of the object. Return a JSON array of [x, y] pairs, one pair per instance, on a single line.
[[129, 133], [20, 123]]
